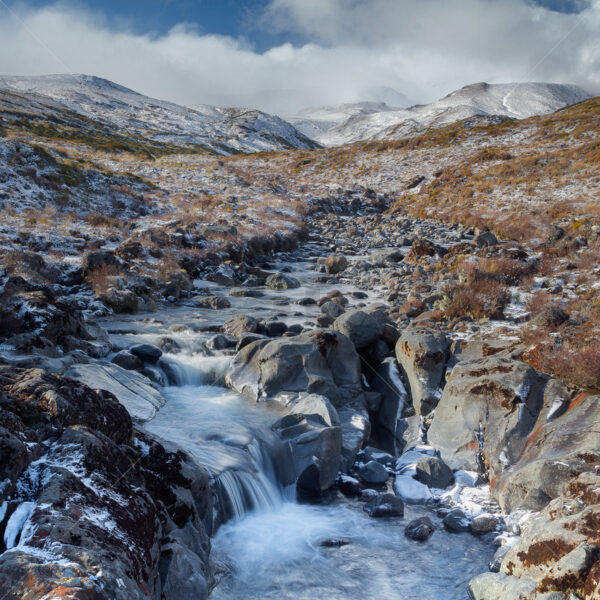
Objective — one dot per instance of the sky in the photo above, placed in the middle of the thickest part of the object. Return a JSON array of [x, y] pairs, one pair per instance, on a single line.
[[283, 55]]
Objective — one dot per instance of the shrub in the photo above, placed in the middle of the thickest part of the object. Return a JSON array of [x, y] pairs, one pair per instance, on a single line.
[[478, 298]]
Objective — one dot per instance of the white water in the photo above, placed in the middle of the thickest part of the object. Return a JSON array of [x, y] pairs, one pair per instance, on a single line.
[[270, 545]]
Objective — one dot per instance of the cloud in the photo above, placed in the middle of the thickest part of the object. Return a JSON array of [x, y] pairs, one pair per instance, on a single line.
[[422, 48]]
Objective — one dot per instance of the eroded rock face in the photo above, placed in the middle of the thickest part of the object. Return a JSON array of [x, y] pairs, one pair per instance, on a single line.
[[502, 397], [553, 456], [423, 352], [92, 508]]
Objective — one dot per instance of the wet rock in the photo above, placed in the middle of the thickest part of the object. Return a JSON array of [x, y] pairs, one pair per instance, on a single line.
[[332, 309], [422, 352], [128, 361], [248, 338], [246, 293], [360, 327], [280, 281], [411, 490], [336, 263], [147, 352], [419, 529], [213, 302], [315, 449], [220, 342], [456, 521], [239, 324], [501, 396], [349, 486], [373, 472], [321, 362], [484, 523], [275, 328], [434, 472], [132, 389], [334, 542], [384, 505]]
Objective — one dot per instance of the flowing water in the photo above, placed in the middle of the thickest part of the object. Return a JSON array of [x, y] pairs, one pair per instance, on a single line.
[[271, 546]]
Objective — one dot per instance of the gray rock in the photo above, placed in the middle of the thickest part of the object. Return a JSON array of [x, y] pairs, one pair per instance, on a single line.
[[498, 586], [132, 389], [419, 529], [120, 300], [147, 352], [336, 263], [239, 324], [332, 309], [281, 281], [373, 472], [275, 328], [321, 362], [422, 352], [360, 327], [384, 505], [128, 361], [561, 450], [485, 239], [220, 342], [213, 302], [456, 521], [485, 523], [501, 396], [434, 472]]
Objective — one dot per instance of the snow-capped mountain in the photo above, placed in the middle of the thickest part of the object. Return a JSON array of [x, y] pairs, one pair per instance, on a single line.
[[223, 130], [315, 122], [512, 100]]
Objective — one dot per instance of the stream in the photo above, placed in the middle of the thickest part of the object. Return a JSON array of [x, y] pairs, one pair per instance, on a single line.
[[269, 545]]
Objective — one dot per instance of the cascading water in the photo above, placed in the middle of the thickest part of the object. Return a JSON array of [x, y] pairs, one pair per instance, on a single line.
[[276, 548], [225, 433]]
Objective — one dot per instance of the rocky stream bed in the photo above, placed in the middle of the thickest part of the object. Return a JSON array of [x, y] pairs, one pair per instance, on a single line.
[[299, 425]]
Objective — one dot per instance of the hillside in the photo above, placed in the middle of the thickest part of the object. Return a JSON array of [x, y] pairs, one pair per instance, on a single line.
[[218, 130]]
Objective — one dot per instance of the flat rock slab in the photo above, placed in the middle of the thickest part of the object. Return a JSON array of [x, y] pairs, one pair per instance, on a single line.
[[133, 390]]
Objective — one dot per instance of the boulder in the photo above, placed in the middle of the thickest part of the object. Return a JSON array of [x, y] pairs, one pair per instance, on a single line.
[[411, 490], [239, 324], [362, 328], [485, 239], [120, 300], [147, 352], [315, 449], [321, 362], [387, 428], [281, 281], [126, 360], [434, 472], [336, 263], [492, 402], [553, 455], [484, 523], [384, 505], [498, 586], [373, 472], [422, 352], [456, 521], [419, 529], [213, 302], [132, 389], [332, 309]]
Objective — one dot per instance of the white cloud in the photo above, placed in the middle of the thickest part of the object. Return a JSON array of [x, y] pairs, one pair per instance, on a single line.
[[423, 48]]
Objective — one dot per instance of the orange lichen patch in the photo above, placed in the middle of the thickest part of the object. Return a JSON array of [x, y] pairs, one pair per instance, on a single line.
[[578, 399], [495, 390], [545, 552]]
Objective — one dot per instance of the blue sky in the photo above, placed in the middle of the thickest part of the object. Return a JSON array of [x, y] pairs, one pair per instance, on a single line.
[[283, 55]]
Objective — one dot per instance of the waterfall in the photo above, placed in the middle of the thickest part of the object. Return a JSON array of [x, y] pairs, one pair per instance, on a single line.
[[227, 434]]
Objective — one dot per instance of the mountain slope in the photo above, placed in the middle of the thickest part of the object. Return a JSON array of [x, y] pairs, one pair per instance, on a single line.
[[221, 130], [511, 100]]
